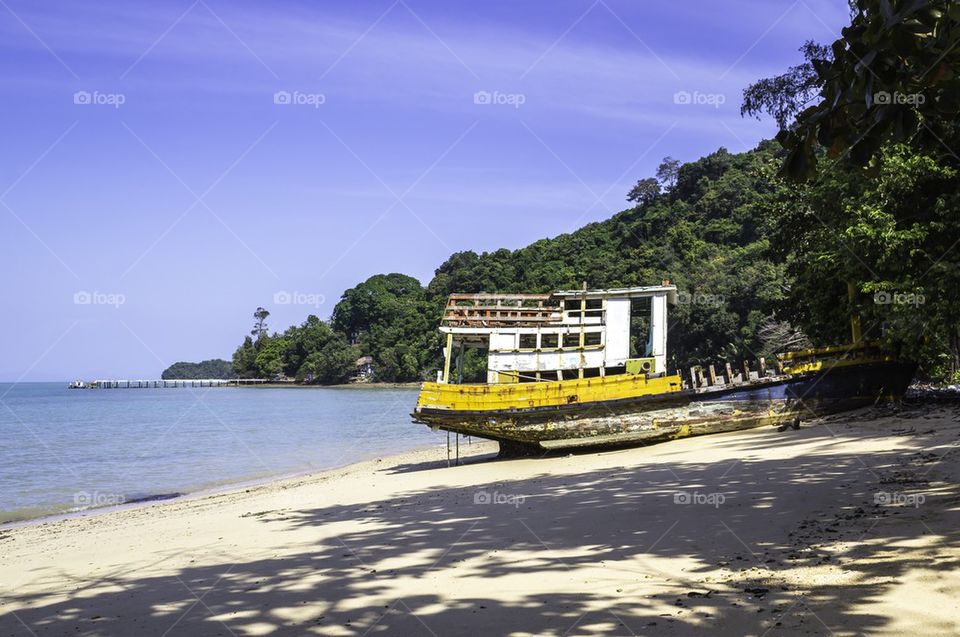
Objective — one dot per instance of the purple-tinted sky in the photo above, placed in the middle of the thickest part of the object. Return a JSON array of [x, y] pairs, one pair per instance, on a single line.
[[170, 166]]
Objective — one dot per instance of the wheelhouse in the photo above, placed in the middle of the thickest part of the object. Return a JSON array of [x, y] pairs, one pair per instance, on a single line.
[[565, 335]]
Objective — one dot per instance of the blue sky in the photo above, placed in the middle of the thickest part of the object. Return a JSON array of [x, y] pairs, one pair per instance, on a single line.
[[170, 166]]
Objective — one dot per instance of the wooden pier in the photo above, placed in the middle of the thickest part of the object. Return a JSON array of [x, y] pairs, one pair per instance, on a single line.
[[199, 382]]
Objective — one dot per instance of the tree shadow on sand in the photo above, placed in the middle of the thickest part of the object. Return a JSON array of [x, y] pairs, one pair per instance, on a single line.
[[638, 549]]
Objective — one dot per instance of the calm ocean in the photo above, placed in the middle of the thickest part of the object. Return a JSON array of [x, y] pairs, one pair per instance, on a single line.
[[68, 449]]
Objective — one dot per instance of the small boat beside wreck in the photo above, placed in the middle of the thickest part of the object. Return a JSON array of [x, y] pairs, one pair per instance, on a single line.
[[560, 374]]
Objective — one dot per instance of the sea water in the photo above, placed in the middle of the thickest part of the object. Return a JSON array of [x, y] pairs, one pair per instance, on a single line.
[[65, 450]]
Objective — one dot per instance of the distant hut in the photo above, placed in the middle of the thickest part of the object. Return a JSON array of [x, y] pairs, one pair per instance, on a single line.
[[364, 370]]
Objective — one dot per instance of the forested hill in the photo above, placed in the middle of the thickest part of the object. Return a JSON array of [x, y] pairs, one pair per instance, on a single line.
[[703, 225], [214, 368], [760, 263], [854, 210]]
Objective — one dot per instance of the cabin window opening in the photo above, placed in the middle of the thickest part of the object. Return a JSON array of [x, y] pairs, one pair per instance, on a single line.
[[594, 308], [616, 370], [640, 333], [570, 374], [527, 377], [528, 341], [549, 341], [473, 365], [591, 372], [592, 338]]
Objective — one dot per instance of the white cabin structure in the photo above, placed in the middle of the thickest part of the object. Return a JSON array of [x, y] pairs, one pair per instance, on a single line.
[[559, 336]]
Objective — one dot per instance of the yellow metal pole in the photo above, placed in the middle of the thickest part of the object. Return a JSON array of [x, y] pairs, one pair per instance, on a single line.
[[583, 318], [447, 354], [854, 315]]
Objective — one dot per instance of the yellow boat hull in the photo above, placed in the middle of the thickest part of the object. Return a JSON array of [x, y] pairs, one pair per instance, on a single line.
[[631, 409], [543, 394]]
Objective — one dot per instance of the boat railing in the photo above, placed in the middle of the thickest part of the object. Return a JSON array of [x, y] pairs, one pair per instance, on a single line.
[[833, 350], [496, 310], [836, 355], [705, 377]]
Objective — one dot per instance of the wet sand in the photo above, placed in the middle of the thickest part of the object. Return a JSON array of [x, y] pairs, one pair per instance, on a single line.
[[847, 526]]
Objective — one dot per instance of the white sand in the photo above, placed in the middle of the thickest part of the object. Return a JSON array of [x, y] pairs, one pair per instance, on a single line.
[[581, 545]]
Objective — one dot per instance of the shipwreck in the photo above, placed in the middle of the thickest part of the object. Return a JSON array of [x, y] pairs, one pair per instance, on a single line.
[[588, 368]]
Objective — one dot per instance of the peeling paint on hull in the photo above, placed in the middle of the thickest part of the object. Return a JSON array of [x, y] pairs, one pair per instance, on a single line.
[[664, 417]]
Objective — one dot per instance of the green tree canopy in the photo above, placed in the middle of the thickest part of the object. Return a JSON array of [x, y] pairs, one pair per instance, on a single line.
[[893, 77], [878, 210], [245, 360], [214, 368], [389, 317]]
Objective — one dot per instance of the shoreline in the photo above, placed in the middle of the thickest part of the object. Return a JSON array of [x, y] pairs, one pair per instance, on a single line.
[[270, 384], [846, 526], [228, 488]]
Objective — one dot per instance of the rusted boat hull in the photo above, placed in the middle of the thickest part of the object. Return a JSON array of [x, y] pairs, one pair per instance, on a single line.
[[661, 417]]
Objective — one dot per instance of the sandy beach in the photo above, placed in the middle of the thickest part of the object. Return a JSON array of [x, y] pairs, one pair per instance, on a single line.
[[847, 526]]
